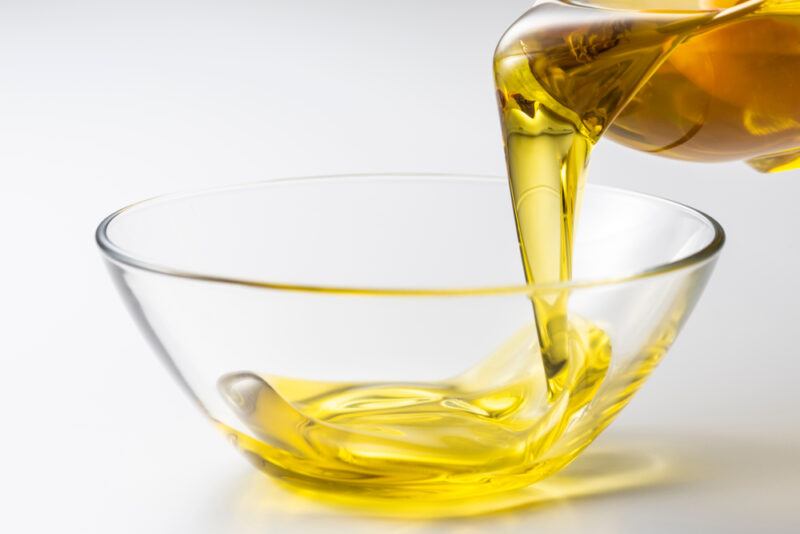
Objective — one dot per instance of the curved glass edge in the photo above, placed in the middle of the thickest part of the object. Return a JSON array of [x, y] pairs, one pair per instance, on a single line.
[[119, 256]]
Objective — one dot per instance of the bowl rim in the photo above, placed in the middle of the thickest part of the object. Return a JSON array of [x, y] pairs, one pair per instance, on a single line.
[[120, 256]]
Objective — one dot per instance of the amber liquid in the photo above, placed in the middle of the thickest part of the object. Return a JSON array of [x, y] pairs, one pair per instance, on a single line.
[[712, 85], [731, 93]]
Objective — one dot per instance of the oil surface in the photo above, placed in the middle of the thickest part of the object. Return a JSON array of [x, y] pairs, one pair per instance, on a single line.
[[413, 440], [566, 74]]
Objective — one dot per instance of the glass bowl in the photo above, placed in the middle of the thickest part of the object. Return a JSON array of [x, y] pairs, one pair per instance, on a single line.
[[372, 335]]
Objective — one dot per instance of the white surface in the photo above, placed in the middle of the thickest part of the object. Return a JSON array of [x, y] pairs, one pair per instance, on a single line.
[[104, 103]]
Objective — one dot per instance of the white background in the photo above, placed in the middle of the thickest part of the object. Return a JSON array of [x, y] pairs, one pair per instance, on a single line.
[[107, 102]]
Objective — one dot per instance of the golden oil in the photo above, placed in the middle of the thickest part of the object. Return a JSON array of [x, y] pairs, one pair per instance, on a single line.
[[476, 432], [566, 74]]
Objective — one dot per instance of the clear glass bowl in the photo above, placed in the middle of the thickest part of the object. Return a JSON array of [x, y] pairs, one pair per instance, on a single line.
[[373, 335]]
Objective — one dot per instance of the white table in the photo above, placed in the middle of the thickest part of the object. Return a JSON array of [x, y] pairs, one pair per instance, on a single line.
[[104, 104]]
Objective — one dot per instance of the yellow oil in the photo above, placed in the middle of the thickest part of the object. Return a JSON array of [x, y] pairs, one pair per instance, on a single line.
[[450, 438], [564, 77], [567, 73]]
